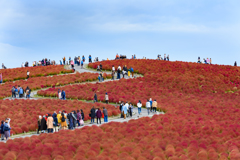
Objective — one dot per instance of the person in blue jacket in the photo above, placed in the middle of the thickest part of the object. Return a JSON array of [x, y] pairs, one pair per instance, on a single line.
[[63, 95], [150, 100]]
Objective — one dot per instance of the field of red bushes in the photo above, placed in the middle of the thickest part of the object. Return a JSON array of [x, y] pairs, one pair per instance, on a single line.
[[21, 73], [24, 113], [201, 122], [50, 81]]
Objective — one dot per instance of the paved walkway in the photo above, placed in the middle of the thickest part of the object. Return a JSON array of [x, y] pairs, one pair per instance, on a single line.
[[110, 119]]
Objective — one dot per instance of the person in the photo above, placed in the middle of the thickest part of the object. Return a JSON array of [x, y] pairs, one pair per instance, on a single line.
[[92, 114], [99, 115], [127, 105], [64, 59], [72, 64], [13, 92], [63, 121], [50, 123], [28, 74], [90, 59], [83, 58], [235, 64], [124, 111], [79, 117], [134, 56], [124, 71], [167, 57], [74, 115], [1, 78], [105, 113], [199, 60], [154, 106], [150, 100], [82, 114], [6, 129], [139, 105], [59, 94], [28, 92], [148, 106], [39, 124], [55, 123], [2, 130], [118, 72], [20, 92], [95, 97], [59, 119], [100, 77], [120, 108], [100, 66], [16, 91], [82, 64], [130, 109], [210, 60], [63, 95], [132, 71], [43, 124], [60, 62], [113, 72], [117, 56], [106, 98]]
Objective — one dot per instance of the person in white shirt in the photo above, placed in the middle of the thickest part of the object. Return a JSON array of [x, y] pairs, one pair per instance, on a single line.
[[119, 67], [28, 74], [22, 64], [139, 105], [113, 72], [148, 106]]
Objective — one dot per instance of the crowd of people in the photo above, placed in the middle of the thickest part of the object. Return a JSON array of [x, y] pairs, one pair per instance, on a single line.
[[54, 122], [43, 62], [205, 61], [127, 108], [18, 92], [5, 129]]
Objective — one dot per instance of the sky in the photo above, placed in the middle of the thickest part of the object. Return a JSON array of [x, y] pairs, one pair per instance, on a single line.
[[184, 29]]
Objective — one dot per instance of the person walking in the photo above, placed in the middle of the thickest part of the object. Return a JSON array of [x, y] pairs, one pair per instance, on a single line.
[[74, 115], [95, 97], [63, 94], [154, 106], [130, 109], [2, 130], [118, 73], [13, 92], [20, 92], [113, 72], [6, 129], [55, 123], [81, 64], [50, 123], [28, 92], [79, 117], [99, 115], [148, 106], [92, 114], [59, 119], [28, 73], [139, 105], [82, 114], [106, 98], [90, 59], [43, 125], [132, 71], [105, 113], [120, 108], [124, 111], [150, 100], [39, 124], [64, 59], [63, 121]]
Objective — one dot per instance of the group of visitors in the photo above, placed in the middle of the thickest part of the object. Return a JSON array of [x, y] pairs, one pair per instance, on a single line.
[[5, 129], [43, 62], [151, 105], [61, 94], [20, 92], [165, 58], [126, 109], [54, 122], [205, 61], [97, 113], [125, 71]]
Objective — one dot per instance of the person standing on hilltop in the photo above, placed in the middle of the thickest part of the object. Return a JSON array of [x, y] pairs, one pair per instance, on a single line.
[[90, 59], [235, 64], [64, 59]]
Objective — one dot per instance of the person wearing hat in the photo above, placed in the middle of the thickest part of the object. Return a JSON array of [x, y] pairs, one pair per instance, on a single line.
[[106, 98]]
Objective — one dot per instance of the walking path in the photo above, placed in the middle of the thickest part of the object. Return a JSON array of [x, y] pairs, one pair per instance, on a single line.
[[144, 112]]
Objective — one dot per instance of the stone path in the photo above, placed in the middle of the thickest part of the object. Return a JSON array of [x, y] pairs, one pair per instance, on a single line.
[[110, 119]]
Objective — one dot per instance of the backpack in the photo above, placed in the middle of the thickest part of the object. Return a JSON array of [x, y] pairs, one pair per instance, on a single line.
[[6, 128], [13, 90], [131, 69], [63, 119]]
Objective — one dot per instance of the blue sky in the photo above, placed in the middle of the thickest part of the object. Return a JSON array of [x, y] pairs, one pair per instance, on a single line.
[[186, 29]]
